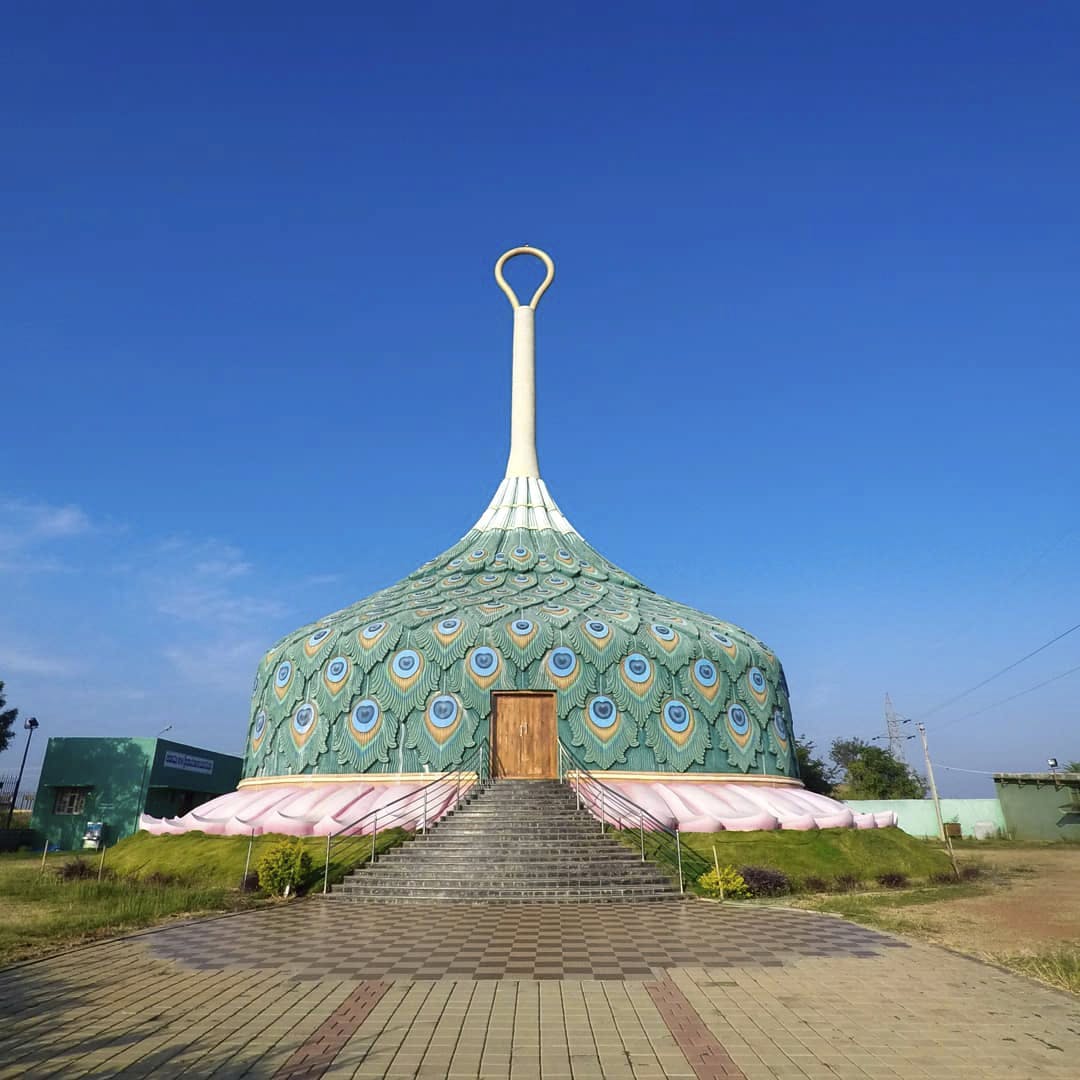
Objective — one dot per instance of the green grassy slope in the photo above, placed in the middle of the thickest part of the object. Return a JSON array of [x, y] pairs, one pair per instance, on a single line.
[[219, 860], [823, 853]]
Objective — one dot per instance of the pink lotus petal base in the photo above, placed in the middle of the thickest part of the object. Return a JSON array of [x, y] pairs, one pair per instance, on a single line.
[[718, 807], [318, 809]]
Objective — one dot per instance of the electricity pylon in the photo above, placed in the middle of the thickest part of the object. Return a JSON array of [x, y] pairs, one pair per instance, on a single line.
[[892, 730]]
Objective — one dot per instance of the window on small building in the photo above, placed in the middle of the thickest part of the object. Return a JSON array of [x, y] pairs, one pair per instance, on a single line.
[[69, 800]]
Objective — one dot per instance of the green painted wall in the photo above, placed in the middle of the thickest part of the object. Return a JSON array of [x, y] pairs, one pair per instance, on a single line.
[[1040, 806], [917, 818], [123, 778]]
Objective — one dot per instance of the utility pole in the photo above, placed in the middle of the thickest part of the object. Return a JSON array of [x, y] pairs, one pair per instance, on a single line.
[[942, 834], [31, 726], [892, 730]]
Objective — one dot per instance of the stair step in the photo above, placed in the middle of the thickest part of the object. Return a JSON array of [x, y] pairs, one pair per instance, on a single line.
[[629, 874], [513, 842]]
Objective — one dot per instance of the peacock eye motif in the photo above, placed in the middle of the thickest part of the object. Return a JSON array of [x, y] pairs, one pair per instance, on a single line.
[[723, 639], [522, 579], [520, 552], [318, 636], [449, 626], [478, 554], [562, 662], [664, 633], [739, 719], [260, 725], [488, 579], [757, 679], [523, 627], [405, 663], [602, 711], [500, 557], [705, 672], [373, 630], [365, 716], [444, 710], [454, 563], [304, 718], [637, 668], [676, 716], [283, 675], [780, 723], [484, 660], [336, 669], [597, 629]]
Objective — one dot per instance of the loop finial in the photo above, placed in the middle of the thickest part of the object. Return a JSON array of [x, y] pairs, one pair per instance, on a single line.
[[543, 256]]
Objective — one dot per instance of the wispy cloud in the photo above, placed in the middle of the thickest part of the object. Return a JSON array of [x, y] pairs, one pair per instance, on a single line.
[[21, 660], [29, 529], [200, 582], [221, 665]]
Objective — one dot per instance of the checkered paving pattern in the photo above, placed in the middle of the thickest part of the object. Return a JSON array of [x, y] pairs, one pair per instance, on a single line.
[[311, 1060], [804, 1000], [703, 1051], [320, 939]]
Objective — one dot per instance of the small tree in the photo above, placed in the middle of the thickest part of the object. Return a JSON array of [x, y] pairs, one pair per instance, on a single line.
[[7, 721], [1073, 766], [873, 773], [816, 774], [285, 868]]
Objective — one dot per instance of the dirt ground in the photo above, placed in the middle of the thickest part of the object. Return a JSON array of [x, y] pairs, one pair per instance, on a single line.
[[1030, 904]]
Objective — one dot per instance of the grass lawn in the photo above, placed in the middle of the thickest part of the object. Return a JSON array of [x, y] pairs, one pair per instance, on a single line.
[[148, 879], [1058, 967], [219, 860], [818, 853], [41, 913]]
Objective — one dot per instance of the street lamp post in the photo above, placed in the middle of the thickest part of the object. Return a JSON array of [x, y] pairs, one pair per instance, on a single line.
[[31, 726]]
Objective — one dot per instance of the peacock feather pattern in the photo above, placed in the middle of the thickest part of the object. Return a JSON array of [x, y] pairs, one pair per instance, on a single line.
[[520, 602], [404, 678]]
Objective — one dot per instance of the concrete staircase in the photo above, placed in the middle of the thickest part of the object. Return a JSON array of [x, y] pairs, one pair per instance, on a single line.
[[516, 841]]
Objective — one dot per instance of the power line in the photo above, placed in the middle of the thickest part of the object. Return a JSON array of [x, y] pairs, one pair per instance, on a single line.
[[1012, 697], [998, 674]]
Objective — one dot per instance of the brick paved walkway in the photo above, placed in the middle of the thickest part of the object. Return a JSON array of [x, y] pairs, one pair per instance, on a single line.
[[705, 991]]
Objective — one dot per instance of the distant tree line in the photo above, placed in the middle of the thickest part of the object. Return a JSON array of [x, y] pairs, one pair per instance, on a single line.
[[856, 769]]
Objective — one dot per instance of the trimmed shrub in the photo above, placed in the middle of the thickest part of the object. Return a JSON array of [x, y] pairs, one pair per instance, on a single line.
[[727, 885], [943, 877], [893, 880], [285, 868], [846, 882], [75, 870], [250, 882], [158, 879], [814, 884], [765, 881]]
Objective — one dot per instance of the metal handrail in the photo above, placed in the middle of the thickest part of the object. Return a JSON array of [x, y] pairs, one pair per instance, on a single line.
[[475, 765], [614, 804]]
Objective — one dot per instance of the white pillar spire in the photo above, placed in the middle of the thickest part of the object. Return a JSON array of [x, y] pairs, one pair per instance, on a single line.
[[523, 461]]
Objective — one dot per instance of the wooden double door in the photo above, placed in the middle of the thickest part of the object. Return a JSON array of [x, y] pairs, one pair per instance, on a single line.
[[524, 735]]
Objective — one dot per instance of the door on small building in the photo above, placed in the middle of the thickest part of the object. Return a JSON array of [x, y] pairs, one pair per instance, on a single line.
[[524, 735]]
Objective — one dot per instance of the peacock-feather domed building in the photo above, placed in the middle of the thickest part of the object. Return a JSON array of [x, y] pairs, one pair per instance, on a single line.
[[517, 637]]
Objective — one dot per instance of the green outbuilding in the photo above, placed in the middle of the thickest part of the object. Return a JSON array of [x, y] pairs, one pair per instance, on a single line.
[[1040, 806], [113, 781]]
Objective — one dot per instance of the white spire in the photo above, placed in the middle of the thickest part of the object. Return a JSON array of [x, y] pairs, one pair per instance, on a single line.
[[523, 461]]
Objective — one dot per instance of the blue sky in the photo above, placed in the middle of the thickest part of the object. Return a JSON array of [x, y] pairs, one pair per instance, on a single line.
[[809, 362]]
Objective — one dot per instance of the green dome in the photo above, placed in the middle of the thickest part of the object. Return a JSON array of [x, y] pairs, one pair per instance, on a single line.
[[403, 680]]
